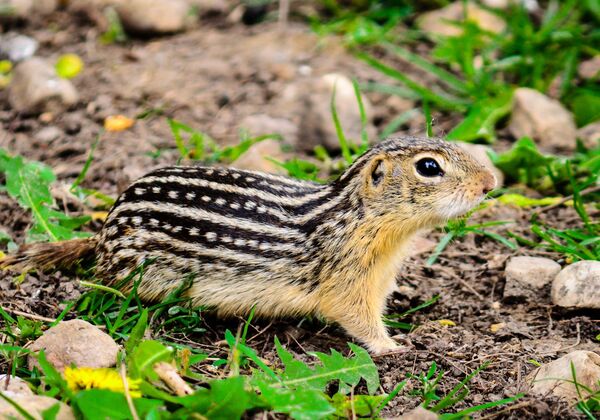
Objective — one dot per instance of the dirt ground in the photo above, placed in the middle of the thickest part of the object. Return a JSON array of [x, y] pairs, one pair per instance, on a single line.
[[212, 77]]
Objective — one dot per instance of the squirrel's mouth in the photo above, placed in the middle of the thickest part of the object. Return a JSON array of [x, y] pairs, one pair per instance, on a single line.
[[457, 205]]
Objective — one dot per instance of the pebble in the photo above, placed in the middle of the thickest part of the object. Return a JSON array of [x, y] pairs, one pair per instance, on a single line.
[[543, 119], [316, 120], [255, 158], [589, 69], [436, 22], [419, 413], [23, 9], [75, 342], [17, 47], [590, 135], [48, 134], [16, 385], [154, 17], [36, 88], [526, 275], [578, 286], [480, 153], [35, 405], [556, 377]]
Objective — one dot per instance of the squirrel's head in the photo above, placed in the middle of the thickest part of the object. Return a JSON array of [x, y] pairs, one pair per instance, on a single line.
[[422, 180]]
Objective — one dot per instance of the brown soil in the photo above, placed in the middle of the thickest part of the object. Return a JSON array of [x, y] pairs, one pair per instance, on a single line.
[[212, 77]]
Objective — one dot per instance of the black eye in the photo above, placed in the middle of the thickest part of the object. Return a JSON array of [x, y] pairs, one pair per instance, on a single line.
[[429, 167]]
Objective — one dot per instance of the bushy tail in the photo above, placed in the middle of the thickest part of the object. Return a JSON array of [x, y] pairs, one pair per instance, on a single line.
[[44, 256]]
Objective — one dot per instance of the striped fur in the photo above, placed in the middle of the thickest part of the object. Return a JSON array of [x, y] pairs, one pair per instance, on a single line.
[[280, 245]]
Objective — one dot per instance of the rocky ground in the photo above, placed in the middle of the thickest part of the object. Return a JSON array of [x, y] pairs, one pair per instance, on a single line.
[[220, 75]]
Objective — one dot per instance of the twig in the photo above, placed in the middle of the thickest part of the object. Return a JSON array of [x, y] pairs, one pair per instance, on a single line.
[[132, 409], [168, 374], [28, 315], [586, 191]]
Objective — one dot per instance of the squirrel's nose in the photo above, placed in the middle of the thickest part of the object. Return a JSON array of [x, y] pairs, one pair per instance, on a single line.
[[489, 182]]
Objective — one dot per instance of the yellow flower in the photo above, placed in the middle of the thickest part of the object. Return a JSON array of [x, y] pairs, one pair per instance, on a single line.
[[100, 378]]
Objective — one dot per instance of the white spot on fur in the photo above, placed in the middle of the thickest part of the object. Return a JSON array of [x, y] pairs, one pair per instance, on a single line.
[[236, 175], [190, 195], [156, 190], [220, 201], [177, 229], [194, 231], [261, 209], [239, 242], [140, 191], [173, 194], [234, 206], [226, 239], [249, 205], [154, 222], [211, 236], [205, 198], [137, 220], [250, 179]]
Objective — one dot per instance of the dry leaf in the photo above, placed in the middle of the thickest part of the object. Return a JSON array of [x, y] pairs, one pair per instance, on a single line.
[[118, 123]]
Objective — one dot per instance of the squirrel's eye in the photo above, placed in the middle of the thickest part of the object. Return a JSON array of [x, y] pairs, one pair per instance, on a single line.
[[429, 167]]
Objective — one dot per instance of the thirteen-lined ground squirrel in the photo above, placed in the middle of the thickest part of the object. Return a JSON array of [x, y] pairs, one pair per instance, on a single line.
[[283, 246]]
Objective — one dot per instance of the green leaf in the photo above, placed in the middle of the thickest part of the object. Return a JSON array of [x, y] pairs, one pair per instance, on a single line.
[[145, 356], [101, 404], [585, 105], [137, 333], [29, 183], [301, 404], [481, 119], [520, 200], [360, 405], [225, 399]]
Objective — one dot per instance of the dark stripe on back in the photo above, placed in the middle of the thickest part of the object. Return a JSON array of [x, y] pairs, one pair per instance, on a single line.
[[225, 176], [203, 227]]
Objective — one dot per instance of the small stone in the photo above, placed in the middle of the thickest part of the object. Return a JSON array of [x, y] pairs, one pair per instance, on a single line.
[[48, 134], [75, 342], [35, 405], [36, 88], [480, 153], [16, 385], [589, 69], [419, 413], [578, 286], [526, 275], [16, 47], [437, 22], [556, 377], [590, 135], [255, 159], [149, 17], [543, 119], [317, 123]]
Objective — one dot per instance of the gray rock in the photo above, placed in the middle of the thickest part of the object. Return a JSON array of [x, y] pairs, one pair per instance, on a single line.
[[437, 22], [543, 119], [556, 377], [16, 385], [480, 153], [317, 123], [75, 342], [48, 134], [35, 405], [35, 88], [578, 285], [16, 47], [526, 275], [147, 17]]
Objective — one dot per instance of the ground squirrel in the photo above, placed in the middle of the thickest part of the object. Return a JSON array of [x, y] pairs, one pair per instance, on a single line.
[[282, 246]]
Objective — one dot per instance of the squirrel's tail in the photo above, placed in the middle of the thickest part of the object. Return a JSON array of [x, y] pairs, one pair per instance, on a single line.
[[44, 256]]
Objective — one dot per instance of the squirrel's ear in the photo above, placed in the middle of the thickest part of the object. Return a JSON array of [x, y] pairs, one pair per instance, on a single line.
[[377, 170]]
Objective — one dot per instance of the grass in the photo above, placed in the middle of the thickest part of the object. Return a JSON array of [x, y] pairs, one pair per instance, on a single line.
[[531, 52]]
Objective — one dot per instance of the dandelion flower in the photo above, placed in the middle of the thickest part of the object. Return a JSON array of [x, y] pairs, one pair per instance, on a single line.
[[100, 378]]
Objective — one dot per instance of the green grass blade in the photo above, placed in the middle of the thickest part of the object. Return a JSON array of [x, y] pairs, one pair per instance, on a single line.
[[448, 78], [338, 128]]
